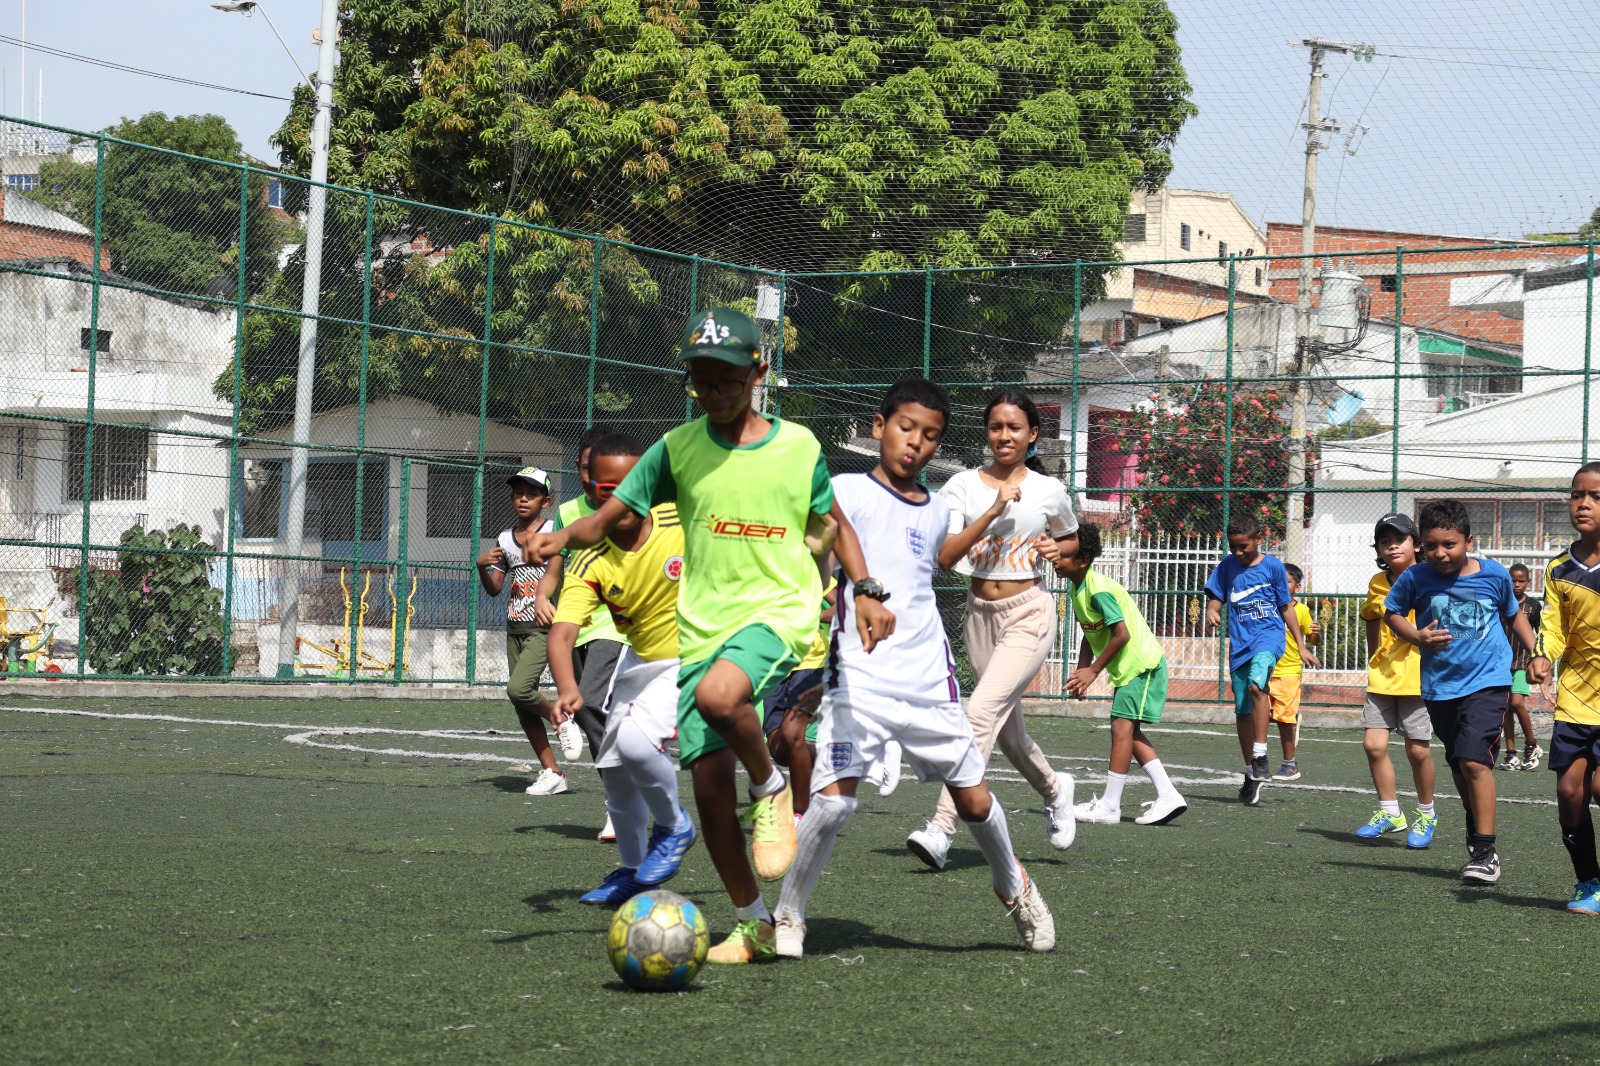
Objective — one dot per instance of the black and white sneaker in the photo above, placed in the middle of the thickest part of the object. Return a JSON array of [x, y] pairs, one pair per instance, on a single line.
[[1250, 792], [1260, 770], [1482, 869]]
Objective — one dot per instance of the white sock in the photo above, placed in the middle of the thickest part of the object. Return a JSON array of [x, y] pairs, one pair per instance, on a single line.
[[652, 773], [1165, 789], [813, 844], [1258, 749], [1390, 807], [756, 911], [1113, 793], [994, 840], [1422, 808], [773, 784], [630, 817]]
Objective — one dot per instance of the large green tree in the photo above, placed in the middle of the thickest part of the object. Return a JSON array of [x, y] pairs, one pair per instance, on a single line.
[[171, 222]]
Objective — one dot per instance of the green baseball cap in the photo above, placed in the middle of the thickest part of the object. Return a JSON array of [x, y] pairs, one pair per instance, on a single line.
[[722, 333]]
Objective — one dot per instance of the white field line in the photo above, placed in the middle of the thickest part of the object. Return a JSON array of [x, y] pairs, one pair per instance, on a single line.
[[305, 735]]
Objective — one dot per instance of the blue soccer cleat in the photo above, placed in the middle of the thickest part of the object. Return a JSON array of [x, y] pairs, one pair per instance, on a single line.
[[1586, 899], [1380, 823], [667, 850], [1422, 827], [619, 886]]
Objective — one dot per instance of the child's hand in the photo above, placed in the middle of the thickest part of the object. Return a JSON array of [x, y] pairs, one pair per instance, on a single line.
[[1309, 657], [544, 547], [495, 557], [1214, 614], [567, 705], [1009, 493], [1433, 637], [807, 702], [1316, 629], [1078, 682], [821, 530], [1539, 670], [1047, 548], [874, 622], [544, 612]]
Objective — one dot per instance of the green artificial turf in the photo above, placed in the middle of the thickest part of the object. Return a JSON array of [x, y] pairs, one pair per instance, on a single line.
[[182, 892]]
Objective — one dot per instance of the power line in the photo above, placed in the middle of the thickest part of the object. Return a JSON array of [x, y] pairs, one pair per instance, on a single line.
[[126, 69]]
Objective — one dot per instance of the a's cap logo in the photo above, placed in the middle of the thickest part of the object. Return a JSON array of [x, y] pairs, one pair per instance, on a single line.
[[710, 332]]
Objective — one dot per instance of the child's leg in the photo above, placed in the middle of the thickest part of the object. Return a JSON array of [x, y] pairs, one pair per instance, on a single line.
[[1245, 726], [525, 661], [1123, 731], [1375, 742], [1260, 715], [986, 820], [1575, 783], [1510, 732], [1476, 780], [532, 723], [630, 817], [830, 810], [1141, 748], [651, 772], [1288, 733], [801, 757], [1519, 707], [726, 701], [1420, 755], [716, 796]]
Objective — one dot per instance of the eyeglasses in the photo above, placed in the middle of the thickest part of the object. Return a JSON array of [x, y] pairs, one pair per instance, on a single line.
[[602, 489], [725, 389]]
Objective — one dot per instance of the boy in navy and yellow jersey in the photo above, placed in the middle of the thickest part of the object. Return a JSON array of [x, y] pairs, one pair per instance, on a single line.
[[1569, 634]]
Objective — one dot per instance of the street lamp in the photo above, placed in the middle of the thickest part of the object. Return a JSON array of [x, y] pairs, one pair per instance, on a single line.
[[306, 371]]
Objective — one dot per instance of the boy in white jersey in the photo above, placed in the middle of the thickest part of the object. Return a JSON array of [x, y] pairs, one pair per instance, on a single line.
[[907, 691]]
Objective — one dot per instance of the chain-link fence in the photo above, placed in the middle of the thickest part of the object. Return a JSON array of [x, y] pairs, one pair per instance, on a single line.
[[151, 309]]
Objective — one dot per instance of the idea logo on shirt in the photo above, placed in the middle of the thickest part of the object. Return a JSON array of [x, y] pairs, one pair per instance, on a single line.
[[741, 528]]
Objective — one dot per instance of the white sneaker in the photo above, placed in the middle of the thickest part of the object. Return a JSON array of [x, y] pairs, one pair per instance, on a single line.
[[571, 738], [790, 937], [930, 844], [1097, 812], [609, 833], [1160, 811], [890, 779], [1034, 921], [548, 783], [1063, 824]]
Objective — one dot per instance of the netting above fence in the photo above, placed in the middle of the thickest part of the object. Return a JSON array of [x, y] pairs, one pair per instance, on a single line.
[[146, 437]]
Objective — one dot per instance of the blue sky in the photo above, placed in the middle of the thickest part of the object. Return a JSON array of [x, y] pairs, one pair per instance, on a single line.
[[1483, 115]]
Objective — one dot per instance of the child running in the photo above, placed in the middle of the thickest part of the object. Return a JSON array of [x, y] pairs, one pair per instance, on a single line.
[[907, 691], [1459, 601], [1394, 695], [1284, 689], [1118, 643], [632, 575], [1255, 586], [528, 617], [1007, 520], [1517, 713], [1569, 634], [755, 501]]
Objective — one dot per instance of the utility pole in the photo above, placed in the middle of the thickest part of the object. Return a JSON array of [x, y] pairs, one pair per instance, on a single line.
[[1307, 335]]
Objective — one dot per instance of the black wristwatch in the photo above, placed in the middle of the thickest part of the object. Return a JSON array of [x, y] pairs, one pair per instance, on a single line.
[[871, 588]]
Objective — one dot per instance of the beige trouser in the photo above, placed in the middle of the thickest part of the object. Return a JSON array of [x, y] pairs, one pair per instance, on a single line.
[[1007, 641]]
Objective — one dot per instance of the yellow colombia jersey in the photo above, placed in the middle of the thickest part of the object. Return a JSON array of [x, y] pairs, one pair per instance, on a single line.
[[1395, 669], [1569, 635], [638, 588], [818, 655]]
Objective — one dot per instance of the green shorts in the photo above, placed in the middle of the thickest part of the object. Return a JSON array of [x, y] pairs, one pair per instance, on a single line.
[[1143, 698], [1257, 672], [1519, 683], [765, 660]]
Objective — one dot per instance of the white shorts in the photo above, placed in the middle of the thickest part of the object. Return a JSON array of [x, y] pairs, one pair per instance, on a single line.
[[645, 692], [935, 738]]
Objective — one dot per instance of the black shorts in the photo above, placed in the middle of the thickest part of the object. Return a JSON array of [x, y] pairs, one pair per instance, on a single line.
[[1470, 725], [786, 695], [1570, 742]]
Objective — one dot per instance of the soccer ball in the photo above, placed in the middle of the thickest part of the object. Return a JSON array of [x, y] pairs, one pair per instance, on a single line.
[[658, 942]]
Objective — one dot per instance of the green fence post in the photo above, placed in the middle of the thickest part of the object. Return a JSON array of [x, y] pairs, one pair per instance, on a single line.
[[361, 435], [475, 520], [1227, 464], [234, 501], [1077, 345], [1588, 343], [88, 424], [694, 307], [1399, 363], [398, 596], [776, 392], [594, 332], [927, 322]]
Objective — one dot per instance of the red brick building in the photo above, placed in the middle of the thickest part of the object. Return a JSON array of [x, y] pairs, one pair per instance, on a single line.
[[1429, 262], [31, 231]]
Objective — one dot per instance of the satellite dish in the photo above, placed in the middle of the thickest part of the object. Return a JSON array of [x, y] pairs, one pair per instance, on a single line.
[[1346, 407]]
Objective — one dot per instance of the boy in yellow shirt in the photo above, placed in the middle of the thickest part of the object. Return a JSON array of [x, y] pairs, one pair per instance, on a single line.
[[1284, 688], [1394, 694]]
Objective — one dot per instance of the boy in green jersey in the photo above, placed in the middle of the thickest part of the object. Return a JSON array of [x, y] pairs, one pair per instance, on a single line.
[[1117, 642], [757, 506]]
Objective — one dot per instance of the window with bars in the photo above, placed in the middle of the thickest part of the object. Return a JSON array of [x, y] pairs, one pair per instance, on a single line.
[[331, 500], [1183, 235], [119, 464], [1133, 229], [1516, 524], [449, 504]]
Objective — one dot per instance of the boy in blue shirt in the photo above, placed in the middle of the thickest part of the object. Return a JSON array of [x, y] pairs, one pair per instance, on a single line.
[[1460, 602], [1255, 586]]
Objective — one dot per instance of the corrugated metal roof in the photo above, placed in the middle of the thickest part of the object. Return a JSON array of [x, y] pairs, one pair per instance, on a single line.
[[24, 212]]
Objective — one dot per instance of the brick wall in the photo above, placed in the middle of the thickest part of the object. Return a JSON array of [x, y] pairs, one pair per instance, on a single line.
[[1430, 262], [33, 242]]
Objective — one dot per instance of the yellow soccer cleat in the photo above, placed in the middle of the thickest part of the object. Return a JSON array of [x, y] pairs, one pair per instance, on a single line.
[[772, 838], [752, 941]]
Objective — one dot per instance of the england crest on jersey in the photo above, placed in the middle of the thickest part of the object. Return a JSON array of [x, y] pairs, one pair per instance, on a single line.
[[839, 755], [917, 541]]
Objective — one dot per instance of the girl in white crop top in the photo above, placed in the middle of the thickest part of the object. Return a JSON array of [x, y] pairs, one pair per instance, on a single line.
[[1007, 522]]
